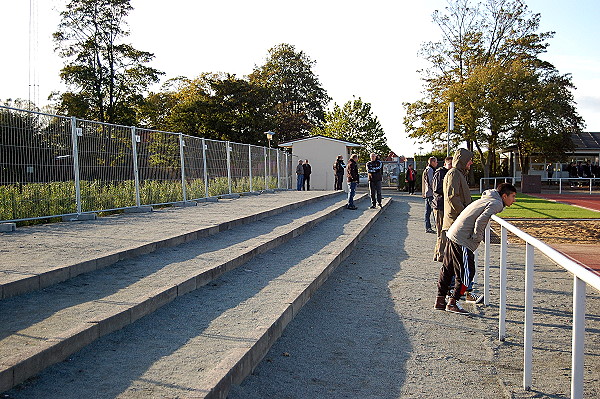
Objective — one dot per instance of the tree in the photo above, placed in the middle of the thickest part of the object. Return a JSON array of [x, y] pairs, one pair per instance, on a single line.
[[295, 93], [356, 123], [488, 64], [107, 78]]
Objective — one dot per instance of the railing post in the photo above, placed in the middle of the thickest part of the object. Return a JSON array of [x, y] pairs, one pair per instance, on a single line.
[[481, 185], [75, 144], [528, 338], [136, 171], [250, 165], [590, 186], [228, 166], [578, 338], [182, 161], [279, 177], [205, 171], [560, 185], [486, 266], [265, 151], [502, 316], [476, 262]]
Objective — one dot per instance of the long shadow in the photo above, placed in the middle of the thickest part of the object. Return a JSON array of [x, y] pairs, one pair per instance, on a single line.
[[18, 313], [349, 341], [109, 366]]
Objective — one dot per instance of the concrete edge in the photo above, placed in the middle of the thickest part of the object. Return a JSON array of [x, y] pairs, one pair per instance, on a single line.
[[60, 274], [17, 369], [241, 361]]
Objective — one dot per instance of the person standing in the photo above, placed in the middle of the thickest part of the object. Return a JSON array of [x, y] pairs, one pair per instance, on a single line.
[[411, 179], [464, 236], [375, 170], [307, 172], [456, 188], [338, 169], [438, 208], [352, 177], [300, 175], [427, 191], [550, 171]]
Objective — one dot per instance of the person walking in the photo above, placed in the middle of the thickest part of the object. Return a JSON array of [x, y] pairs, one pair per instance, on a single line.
[[464, 236], [307, 172], [438, 208], [375, 170], [299, 175], [411, 179], [338, 169], [352, 177], [427, 191]]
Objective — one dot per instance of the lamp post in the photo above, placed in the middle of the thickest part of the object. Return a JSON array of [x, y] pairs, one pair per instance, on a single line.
[[269, 135]]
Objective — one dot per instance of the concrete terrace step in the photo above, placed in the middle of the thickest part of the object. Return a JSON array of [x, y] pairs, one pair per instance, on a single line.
[[35, 257], [44, 327], [201, 343]]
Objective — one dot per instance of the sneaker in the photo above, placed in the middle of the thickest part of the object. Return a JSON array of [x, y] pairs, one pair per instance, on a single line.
[[455, 308], [373, 207], [440, 303], [380, 205], [352, 207], [473, 298], [430, 231]]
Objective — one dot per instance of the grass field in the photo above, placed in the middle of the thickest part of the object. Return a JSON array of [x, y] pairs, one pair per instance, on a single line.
[[533, 207]]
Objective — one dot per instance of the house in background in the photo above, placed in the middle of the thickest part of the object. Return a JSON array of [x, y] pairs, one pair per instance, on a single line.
[[321, 153]]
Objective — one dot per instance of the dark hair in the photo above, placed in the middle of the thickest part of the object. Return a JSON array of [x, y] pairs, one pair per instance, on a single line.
[[506, 188]]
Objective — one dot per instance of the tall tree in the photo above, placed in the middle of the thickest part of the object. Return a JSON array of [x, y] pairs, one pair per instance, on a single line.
[[296, 95], [488, 54], [106, 77], [355, 122]]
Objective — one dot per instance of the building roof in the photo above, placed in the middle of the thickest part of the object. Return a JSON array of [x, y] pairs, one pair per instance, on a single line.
[[586, 140], [347, 143]]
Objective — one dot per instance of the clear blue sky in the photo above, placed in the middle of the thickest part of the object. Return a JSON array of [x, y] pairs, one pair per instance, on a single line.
[[368, 51]]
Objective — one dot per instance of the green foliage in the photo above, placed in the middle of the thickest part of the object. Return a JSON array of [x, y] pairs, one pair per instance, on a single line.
[[106, 77], [356, 123]]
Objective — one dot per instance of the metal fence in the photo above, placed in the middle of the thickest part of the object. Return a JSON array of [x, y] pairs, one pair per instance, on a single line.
[[53, 166], [581, 278]]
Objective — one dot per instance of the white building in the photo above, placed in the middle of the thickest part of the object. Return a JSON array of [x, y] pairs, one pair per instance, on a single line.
[[321, 153]]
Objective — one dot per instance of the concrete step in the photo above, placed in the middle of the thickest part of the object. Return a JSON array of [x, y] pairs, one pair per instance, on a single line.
[[36, 257], [44, 327]]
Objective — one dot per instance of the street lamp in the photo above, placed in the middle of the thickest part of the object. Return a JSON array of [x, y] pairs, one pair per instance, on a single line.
[[270, 135]]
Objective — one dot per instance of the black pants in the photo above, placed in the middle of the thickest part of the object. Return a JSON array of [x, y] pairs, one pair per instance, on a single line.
[[375, 189], [411, 187], [339, 179], [306, 185], [459, 262]]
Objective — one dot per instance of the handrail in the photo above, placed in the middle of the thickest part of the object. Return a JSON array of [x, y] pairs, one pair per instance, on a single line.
[[582, 276], [547, 179]]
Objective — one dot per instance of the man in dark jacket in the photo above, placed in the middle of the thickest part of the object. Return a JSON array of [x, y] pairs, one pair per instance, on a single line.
[[438, 208], [375, 169], [307, 172], [352, 177], [426, 183], [338, 169]]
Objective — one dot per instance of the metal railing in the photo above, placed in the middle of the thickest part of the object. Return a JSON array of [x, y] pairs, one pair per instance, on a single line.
[[52, 166], [547, 181], [581, 277]]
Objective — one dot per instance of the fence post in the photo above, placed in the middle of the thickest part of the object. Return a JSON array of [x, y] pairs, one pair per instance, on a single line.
[[136, 174], [560, 185], [250, 166], [502, 316], [205, 171], [75, 144], [182, 158], [265, 150], [528, 338], [279, 177], [228, 165], [578, 338], [486, 266], [287, 171]]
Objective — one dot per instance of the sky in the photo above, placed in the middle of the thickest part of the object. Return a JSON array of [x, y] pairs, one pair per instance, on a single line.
[[361, 49]]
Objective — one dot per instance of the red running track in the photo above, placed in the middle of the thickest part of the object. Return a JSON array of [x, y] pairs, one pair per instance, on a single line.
[[583, 200]]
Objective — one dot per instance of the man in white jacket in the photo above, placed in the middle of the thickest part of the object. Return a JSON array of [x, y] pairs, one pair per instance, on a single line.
[[464, 236]]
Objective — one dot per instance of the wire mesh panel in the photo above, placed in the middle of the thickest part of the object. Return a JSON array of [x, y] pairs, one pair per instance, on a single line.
[[159, 164], [194, 167], [258, 168], [36, 165], [105, 166], [272, 167], [240, 173], [284, 172], [216, 167]]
